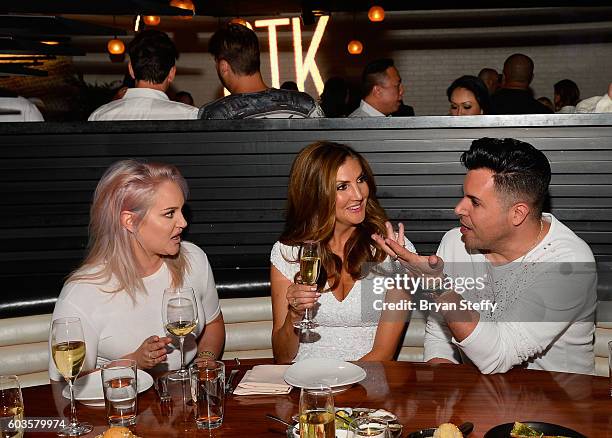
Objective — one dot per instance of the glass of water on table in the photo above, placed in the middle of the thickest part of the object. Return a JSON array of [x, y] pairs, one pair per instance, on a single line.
[[120, 384], [317, 414]]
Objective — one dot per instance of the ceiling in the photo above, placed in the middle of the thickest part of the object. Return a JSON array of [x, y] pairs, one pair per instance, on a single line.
[[26, 24]]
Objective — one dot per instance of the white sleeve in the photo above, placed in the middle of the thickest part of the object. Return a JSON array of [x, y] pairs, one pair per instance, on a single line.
[[282, 258], [553, 302], [438, 340], [64, 308], [209, 296], [32, 114]]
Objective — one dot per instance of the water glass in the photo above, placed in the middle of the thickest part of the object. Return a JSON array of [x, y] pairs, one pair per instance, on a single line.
[[11, 407], [317, 414], [368, 426], [208, 392], [120, 384]]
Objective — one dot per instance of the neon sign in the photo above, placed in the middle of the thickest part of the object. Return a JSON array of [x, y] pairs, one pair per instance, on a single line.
[[303, 66]]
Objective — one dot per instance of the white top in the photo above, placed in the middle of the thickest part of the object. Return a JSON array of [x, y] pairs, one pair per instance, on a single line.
[[596, 104], [346, 328], [546, 306], [28, 111], [568, 109], [113, 326], [144, 104], [366, 110]]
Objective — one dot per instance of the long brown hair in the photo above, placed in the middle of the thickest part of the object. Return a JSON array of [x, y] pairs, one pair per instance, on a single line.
[[126, 185], [311, 210]]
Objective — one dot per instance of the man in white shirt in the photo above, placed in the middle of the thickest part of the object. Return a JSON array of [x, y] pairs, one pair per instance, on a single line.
[[15, 108], [597, 104], [152, 65], [534, 278], [382, 90]]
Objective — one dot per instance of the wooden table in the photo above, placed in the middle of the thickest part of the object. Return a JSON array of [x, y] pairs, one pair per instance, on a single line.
[[421, 395]]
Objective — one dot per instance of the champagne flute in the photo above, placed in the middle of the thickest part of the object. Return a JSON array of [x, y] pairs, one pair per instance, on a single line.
[[11, 407], [180, 314], [310, 266], [68, 350], [317, 414]]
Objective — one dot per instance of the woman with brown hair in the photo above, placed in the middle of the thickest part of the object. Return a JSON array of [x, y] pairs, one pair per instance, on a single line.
[[332, 201]]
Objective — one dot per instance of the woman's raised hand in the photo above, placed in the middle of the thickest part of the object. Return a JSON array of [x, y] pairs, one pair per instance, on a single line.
[[151, 352]]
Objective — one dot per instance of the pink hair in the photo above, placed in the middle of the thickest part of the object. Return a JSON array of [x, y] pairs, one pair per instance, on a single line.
[[127, 185]]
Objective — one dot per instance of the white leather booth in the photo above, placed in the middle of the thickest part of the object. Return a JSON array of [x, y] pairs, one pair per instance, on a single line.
[[23, 340]]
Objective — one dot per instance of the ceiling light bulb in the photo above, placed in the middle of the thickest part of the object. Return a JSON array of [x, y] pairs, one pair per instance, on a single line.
[[355, 47], [151, 20], [115, 47], [184, 4], [376, 13], [241, 21]]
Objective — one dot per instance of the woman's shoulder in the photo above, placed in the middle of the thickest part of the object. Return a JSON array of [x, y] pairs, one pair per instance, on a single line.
[[193, 251], [288, 252]]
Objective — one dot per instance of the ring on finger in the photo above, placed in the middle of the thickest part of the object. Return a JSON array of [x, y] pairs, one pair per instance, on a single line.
[[294, 302]]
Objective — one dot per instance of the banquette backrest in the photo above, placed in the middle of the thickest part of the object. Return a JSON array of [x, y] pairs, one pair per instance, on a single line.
[[237, 173]]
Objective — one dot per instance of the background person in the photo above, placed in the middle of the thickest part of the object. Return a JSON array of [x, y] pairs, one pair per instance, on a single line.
[[468, 96], [152, 65], [331, 200], [135, 252], [567, 96], [382, 90]]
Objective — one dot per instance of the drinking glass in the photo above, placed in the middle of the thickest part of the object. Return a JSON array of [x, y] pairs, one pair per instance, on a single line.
[[310, 266], [208, 392], [120, 385], [11, 407], [317, 413], [180, 315], [68, 350], [368, 426]]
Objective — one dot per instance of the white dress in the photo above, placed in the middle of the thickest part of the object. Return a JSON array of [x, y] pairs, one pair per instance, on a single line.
[[346, 328], [114, 326]]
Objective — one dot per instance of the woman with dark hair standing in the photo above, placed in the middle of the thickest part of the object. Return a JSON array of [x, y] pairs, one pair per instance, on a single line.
[[468, 96], [332, 201]]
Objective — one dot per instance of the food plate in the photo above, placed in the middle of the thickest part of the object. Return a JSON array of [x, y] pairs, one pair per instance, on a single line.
[[503, 430], [88, 389], [336, 374]]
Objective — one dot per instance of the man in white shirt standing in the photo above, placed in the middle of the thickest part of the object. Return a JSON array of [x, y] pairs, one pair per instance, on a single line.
[[382, 90], [152, 65], [535, 278]]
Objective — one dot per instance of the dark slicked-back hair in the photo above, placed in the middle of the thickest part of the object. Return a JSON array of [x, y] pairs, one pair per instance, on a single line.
[[239, 46], [476, 86], [152, 54], [521, 172], [568, 92], [374, 74]]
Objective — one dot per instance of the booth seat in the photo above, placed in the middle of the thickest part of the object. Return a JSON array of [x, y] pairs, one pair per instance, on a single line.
[[248, 323]]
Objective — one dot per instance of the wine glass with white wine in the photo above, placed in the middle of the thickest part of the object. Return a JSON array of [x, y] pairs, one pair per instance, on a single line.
[[180, 314], [68, 350], [310, 266]]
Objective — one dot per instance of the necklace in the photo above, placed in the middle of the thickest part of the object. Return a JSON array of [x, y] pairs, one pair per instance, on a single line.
[[512, 272]]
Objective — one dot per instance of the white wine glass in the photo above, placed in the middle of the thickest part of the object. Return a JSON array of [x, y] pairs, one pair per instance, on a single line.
[[317, 414], [11, 407], [180, 315], [310, 266], [68, 350]]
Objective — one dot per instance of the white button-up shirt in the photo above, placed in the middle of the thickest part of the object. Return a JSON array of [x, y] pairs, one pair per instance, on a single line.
[[144, 104], [366, 110]]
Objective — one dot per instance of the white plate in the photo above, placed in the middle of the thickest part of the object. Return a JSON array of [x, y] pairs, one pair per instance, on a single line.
[[88, 389], [311, 373]]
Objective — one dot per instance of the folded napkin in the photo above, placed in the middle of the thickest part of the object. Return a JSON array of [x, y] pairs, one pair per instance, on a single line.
[[264, 379]]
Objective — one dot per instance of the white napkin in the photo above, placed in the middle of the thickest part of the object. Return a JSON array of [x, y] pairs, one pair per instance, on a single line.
[[264, 379]]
